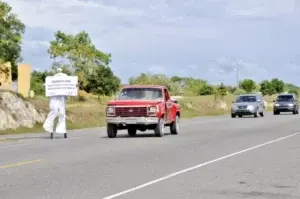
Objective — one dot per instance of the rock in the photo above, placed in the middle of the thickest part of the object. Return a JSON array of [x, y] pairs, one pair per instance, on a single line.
[[15, 112]]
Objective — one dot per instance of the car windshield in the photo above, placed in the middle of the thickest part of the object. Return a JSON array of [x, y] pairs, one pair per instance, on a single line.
[[285, 98], [246, 99], [141, 94]]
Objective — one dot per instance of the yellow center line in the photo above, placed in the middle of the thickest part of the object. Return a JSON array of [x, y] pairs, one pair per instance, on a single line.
[[20, 164]]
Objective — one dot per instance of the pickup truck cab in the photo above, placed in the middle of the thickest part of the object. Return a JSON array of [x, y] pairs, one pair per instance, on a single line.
[[142, 107]]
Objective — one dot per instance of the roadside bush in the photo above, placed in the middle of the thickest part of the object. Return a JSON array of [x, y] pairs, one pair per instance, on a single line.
[[82, 95]]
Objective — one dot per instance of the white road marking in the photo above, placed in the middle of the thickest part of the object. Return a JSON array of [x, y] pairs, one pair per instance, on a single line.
[[196, 167], [14, 145]]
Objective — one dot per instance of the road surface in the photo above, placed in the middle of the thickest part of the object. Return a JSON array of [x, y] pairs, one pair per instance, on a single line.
[[213, 157]]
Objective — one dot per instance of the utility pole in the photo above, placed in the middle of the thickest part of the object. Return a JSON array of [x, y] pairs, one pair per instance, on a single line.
[[237, 74]]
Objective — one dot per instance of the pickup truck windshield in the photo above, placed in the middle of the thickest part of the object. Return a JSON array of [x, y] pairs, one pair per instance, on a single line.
[[285, 98], [246, 99], [141, 94]]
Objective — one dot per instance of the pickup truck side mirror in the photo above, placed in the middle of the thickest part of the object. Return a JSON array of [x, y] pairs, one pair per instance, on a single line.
[[174, 101]]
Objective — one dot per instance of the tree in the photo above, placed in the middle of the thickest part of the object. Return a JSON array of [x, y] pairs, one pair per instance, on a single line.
[[37, 82], [248, 85], [231, 89], [65, 68], [266, 88], [11, 32], [294, 91], [222, 90], [84, 60], [155, 79], [206, 90], [176, 79], [103, 81], [278, 85]]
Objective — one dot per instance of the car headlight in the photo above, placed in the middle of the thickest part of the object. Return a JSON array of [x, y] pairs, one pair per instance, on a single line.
[[233, 106], [152, 109], [276, 104], [291, 104], [251, 107], [110, 110]]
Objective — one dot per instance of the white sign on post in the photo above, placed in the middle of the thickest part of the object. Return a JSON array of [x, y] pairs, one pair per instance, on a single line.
[[61, 85]]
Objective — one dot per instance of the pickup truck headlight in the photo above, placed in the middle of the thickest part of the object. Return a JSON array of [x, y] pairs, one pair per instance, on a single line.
[[291, 104], [110, 110], [152, 109], [276, 104]]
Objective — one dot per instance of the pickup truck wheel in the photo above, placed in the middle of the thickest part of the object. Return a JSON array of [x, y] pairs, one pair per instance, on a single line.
[[160, 128], [131, 131], [111, 130], [175, 127], [261, 114]]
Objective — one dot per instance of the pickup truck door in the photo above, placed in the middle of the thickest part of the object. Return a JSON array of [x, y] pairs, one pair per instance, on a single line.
[[169, 105]]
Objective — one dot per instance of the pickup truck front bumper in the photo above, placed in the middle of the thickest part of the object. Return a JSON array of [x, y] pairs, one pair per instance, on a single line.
[[132, 120]]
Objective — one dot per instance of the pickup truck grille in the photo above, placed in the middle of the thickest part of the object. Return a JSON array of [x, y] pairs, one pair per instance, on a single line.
[[131, 111]]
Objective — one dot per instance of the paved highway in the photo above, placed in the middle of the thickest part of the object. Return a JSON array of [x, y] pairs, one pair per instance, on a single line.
[[213, 157]]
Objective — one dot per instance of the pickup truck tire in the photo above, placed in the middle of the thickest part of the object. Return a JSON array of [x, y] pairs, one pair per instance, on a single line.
[[261, 114], [160, 128], [131, 131], [174, 127], [111, 130]]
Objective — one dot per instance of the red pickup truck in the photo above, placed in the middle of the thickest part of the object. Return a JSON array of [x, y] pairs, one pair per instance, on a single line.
[[143, 107]]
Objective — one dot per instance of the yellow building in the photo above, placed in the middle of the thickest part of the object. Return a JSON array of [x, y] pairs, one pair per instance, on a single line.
[[24, 79]]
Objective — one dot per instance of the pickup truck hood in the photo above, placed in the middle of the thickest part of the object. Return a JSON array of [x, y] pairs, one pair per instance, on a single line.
[[134, 102]]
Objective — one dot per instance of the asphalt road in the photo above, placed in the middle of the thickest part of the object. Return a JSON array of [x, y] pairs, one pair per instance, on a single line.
[[213, 157]]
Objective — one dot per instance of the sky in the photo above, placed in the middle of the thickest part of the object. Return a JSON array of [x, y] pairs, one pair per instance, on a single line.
[[207, 39]]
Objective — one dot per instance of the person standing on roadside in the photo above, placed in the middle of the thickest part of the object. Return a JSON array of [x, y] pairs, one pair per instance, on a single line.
[[57, 107]]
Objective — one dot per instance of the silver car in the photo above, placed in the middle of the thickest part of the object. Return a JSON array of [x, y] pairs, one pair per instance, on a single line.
[[249, 104]]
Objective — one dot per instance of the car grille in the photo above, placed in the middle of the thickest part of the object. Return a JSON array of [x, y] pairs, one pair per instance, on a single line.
[[131, 111], [242, 107], [284, 105]]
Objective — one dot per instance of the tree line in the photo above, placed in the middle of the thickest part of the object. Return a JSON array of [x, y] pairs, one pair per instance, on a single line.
[[77, 55], [196, 87]]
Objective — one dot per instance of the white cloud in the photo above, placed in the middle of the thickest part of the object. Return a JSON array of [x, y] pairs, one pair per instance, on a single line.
[[261, 8], [157, 69], [224, 67], [167, 36]]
